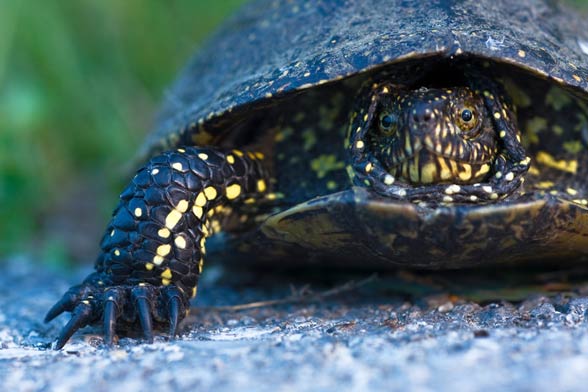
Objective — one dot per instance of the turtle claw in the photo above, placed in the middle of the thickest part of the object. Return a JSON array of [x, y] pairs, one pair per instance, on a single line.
[[67, 303], [146, 304], [109, 322], [81, 316], [175, 307], [141, 299]]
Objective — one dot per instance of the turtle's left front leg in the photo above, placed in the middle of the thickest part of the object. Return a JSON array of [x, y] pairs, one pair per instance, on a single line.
[[153, 248]]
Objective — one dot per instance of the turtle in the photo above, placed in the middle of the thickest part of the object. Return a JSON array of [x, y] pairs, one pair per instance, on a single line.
[[353, 134]]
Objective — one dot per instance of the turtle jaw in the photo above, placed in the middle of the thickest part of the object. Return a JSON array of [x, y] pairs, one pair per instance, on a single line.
[[425, 168]]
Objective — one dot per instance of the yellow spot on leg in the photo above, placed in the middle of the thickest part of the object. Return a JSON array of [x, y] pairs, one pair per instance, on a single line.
[[210, 193], [233, 191], [172, 219], [182, 206], [163, 250], [157, 260], [138, 212], [200, 200], [149, 266], [230, 159], [163, 233], [198, 211], [180, 242], [203, 156], [177, 166], [167, 274]]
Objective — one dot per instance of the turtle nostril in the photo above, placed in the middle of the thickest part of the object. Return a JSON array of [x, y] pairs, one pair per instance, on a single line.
[[422, 116]]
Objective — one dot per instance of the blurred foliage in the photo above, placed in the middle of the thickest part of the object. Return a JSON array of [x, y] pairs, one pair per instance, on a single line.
[[80, 81]]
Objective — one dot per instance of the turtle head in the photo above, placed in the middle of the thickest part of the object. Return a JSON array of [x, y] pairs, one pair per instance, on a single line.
[[433, 136]]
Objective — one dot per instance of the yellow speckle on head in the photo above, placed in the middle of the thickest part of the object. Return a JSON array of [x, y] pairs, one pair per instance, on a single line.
[[447, 199], [230, 159], [498, 175], [509, 176], [210, 193], [112, 233], [502, 134], [117, 252], [163, 250], [165, 282], [172, 219], [203, 156], [138, 212], [577, 78], [497, 115], [369, 167], [465, 174], [259, 155], [181, 150], [385, 90], [427, 173], [473, 197], [149, 266], [249, 201], [238, 153], [177, 166], [166, 274], [271, 196], [180, 242], [163, 233], [182, 206], [194, 292], [485, 168], [388, 179], [494, 196], [154, 171], [261, 186], [487, 189], [359, 144], [365, 117], [198, 211], [571, 191], [233, 191], [157, 260], [522, 53]]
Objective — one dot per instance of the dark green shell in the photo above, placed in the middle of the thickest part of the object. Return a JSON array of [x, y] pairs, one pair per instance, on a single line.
[[276, 57]]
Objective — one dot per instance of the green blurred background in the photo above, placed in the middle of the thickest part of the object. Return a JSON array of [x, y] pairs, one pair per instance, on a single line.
[[80, 82]]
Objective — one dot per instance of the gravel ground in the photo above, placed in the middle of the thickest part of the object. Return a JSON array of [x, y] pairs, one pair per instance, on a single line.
[[400, 331]]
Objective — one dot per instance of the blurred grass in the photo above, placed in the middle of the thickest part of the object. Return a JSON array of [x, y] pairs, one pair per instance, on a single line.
[[80, 82]]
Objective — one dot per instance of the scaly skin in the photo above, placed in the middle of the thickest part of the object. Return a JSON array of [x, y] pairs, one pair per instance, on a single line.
[[154, 246]]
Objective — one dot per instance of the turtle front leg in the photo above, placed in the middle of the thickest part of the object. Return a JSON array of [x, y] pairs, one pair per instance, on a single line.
[[153, 248]]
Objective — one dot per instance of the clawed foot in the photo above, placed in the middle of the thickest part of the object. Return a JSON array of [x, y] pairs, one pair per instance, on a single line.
[[90, 303]]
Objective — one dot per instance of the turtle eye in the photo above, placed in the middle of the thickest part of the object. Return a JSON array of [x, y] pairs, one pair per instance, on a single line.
[[467, 119], [388, 122]]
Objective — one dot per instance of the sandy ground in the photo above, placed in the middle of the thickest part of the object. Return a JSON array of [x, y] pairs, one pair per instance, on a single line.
[[394, 332]]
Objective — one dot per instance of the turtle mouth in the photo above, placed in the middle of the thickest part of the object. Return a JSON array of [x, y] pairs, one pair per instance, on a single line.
[[426, 167]]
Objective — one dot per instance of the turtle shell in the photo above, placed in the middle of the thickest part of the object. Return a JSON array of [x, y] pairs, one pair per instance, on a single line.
[[273, 54]]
